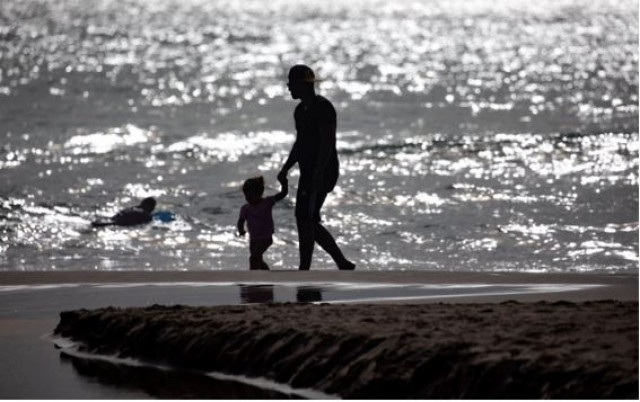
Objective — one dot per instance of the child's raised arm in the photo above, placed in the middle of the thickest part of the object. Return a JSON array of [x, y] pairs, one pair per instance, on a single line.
[[284, 190]]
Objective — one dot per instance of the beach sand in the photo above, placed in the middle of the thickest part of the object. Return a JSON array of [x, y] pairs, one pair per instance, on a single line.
[[509, 350], [583, 286], [590, 286], [554, 344]]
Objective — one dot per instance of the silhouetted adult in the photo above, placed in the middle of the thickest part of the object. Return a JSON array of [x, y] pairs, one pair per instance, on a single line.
[[315, 153], [131, 216]]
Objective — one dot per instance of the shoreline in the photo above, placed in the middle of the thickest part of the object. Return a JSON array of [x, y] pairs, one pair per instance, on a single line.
[[72, 350], [590, 286]]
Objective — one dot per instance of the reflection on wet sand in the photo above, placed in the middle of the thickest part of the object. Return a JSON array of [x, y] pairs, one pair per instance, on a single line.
[[256, 293], [308, 294], [264, 294], [166, 384]]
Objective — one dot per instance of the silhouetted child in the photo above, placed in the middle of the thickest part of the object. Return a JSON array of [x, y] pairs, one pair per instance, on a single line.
[[257, 214], [131, 216]]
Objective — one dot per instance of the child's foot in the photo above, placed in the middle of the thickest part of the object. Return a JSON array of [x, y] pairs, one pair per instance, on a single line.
[[264, 267], [347, 266]]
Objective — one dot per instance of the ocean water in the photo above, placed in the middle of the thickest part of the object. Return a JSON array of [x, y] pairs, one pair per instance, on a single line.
[[473, 135]]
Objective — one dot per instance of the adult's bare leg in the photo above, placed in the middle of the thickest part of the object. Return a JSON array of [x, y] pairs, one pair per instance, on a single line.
[[306, 240], [328, 244]]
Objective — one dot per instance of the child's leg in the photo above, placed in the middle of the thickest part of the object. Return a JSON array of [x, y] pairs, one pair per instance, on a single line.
[[257, 247]]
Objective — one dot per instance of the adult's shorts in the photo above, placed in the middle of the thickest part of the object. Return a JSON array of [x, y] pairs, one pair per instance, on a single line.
[[308, 205]]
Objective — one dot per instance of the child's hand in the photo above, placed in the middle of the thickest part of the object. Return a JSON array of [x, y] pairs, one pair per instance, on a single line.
[[241, 233]]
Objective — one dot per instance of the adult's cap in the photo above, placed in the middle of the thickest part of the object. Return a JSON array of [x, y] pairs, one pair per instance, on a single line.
[[301, 72]]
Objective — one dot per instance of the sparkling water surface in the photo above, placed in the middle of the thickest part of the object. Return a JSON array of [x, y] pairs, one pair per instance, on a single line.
[[473, 135]]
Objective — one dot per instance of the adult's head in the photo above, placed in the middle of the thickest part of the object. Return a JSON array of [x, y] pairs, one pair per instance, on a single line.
[[300, 81], [253, 189], [148, 204]]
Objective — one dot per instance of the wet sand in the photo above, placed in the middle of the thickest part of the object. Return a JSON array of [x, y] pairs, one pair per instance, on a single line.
[[552, 343], [623, 287]]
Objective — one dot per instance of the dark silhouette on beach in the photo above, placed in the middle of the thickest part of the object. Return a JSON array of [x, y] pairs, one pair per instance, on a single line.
[[315, 153], [137, 215], [257, 214]]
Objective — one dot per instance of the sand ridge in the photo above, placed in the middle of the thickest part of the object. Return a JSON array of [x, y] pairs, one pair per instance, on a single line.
[[500, 350]]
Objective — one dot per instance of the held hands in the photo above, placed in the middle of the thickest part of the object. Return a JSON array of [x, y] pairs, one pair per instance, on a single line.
[[284, 183]]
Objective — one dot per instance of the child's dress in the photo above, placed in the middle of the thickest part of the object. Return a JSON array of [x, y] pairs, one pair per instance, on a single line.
[[260, 227]]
